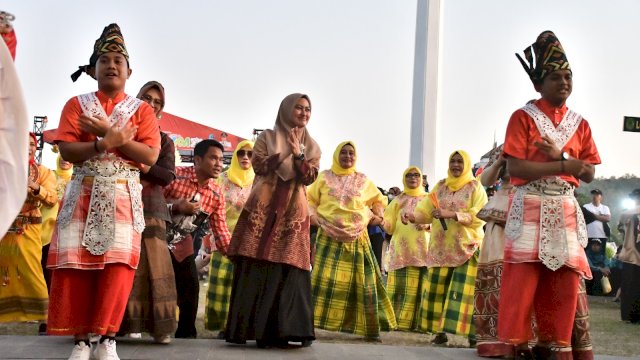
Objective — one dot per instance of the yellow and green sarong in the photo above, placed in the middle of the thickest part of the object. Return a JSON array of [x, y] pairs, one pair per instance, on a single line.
[[347, 288], [404, 287], [447, 299], [219, 292]]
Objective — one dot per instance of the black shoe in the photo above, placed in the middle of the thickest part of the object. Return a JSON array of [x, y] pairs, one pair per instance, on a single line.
[[373, 339], [441, 338], [306, 343], [524, 355], [220, 335], [472, 341], [42, 329]]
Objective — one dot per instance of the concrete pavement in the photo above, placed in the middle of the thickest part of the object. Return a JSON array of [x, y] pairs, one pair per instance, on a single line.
[[51, 347]]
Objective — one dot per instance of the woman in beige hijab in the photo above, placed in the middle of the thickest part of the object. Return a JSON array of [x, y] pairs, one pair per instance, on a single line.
[[270, 248]]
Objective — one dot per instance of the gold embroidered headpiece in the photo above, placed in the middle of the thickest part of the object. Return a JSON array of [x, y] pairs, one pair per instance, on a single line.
[[549, 57], [111, 40]]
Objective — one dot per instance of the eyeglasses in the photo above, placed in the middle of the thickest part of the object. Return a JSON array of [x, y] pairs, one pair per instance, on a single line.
[[151, 101], [242, 153], [412, 175]]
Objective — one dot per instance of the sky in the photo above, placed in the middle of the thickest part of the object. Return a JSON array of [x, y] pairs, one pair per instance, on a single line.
[[228, 64]]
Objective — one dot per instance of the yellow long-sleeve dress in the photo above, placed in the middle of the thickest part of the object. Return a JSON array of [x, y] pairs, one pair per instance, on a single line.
[[346, 281], [406, 260], [23, 291], [447, 304]]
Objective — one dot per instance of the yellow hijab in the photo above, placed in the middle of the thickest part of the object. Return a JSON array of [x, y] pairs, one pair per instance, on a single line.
[[456, 183], [236, 173], [407, 190], [335, 167], [62, 173]]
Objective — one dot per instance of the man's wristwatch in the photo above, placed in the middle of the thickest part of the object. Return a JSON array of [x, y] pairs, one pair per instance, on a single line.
[[564, 156], [299, 157]]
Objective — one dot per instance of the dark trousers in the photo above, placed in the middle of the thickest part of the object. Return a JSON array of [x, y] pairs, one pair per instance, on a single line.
[[377, 240], [188, 289], [43, 262]]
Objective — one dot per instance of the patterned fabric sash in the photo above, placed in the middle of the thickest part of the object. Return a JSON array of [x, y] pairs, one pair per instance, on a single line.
[[560, 134], [553, 250], [121, 114], [106, 170]]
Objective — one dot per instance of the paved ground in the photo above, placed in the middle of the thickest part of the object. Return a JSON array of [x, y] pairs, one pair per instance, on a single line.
[[49, 347]]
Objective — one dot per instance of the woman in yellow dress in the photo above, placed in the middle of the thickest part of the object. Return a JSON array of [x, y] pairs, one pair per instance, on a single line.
[[452, 258], [236, 184], [406, 258], [23, 291], [346, 282]]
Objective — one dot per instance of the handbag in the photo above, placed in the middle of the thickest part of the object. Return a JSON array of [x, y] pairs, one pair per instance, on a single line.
[[606, 285]]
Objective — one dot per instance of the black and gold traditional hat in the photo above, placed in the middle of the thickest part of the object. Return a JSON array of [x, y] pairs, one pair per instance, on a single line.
[[111, 40], [549, 57]]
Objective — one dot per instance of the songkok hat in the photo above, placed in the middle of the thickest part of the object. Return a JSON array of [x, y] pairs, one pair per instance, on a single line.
[[111, 40], [549, 57]]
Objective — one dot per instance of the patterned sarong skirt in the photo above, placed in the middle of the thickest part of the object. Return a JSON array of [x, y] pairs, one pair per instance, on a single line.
[[347, 288]]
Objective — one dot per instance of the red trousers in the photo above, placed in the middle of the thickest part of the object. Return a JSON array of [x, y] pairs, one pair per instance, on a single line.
[[89, 301], [552, 294]]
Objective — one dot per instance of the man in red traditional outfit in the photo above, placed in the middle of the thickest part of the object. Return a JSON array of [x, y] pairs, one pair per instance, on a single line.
[[549, 149], [95, 249]]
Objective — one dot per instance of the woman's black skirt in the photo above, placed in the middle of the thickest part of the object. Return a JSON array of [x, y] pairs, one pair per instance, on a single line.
[[270, 303]]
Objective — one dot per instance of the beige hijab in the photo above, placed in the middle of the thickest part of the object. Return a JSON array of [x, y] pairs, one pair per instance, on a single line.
[[276, 140]]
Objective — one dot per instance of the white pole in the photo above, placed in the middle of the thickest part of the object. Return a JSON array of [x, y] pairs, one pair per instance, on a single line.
[[425, 109]]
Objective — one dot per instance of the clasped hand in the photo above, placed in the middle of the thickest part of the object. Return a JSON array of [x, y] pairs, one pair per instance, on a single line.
[[112, 136], [575, 167], [294, 140], [443, 214]]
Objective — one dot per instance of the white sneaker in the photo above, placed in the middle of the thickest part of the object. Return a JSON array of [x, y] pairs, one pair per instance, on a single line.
[[81, 351], [135, 335], [106, 351]]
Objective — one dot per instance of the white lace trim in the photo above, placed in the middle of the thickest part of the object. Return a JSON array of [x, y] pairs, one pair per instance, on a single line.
[[99, 231], [560, 134], [553, 250], [120, 115]]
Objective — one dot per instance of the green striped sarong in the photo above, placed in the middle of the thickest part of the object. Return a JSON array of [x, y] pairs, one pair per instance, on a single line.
[[219, 292], [404, 287], [347, 288], [447, 299]]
